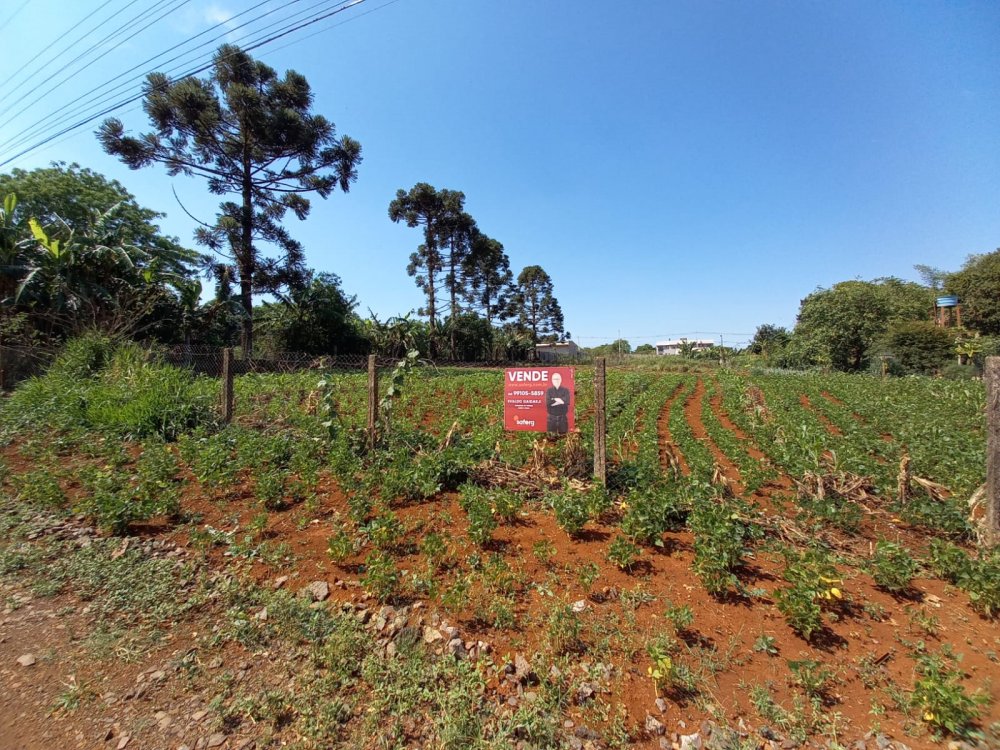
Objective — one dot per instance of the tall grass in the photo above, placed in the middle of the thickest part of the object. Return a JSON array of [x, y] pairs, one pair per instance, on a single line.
[[114, 387]]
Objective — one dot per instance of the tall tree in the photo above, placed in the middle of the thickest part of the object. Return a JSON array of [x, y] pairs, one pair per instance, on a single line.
[[250, 134], [839, 325], [978, 288], [538, 310], [447, 229], [489, 280]]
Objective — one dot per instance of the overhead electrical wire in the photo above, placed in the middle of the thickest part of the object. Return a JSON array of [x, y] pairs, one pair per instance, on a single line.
[[195, 71], [37, 130], [12, 16], [68, 110], [126, 28], [292, 43], [65, 49]]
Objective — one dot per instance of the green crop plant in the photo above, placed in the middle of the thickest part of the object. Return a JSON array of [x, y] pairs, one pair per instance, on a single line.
[[623, 553], [381, 577], [940, 697], [477, 504], [722, 537], [892, 567], [572, 510]]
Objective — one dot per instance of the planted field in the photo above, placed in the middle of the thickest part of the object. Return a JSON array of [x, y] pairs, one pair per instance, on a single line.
[[756, 572]]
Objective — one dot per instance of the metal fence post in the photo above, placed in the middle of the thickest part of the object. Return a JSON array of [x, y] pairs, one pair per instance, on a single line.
[[992, 521], [600, 422], [372, 400], [227, 385]]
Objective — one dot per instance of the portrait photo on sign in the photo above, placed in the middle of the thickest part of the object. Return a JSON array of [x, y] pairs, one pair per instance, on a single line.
[[539, 399]]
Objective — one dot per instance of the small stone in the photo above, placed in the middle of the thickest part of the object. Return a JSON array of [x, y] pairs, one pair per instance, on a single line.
[[579, 606], [199, 715], [691, 741], [661, 705], [654, 725], [318, 591], [882, 741], [123, 741], [262, 615], [158, 675], [768, 734], [26, 660], [456, 647], [432, 635], [215, 663], [280, 581], [215, 740], [584, 693], [568, 724], [522, 667]]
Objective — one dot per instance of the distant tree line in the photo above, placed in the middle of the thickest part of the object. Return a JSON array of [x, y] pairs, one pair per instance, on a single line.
[[887, 325], [79, 253]]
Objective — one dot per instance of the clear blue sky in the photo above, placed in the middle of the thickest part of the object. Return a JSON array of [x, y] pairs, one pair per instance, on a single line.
[[677, 167]]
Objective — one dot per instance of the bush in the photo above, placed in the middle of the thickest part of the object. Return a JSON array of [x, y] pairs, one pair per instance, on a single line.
[[572, 510], [938, 693]]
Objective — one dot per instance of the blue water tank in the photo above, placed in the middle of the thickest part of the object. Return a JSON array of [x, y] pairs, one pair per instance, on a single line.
[[947, 301]]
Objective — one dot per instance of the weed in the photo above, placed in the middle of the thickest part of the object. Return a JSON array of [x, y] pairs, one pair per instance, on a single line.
[[766, 644], [544, 551], [588, 574], [563, 630], [340, 546]]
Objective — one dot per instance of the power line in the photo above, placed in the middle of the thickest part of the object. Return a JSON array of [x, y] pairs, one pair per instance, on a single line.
[[292, 43], [76, 71], [53, 43], [67, 110], [195, 71], [12, 16]]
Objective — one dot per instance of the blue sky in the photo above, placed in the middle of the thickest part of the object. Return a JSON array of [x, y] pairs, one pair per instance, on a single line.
[[677, 167]]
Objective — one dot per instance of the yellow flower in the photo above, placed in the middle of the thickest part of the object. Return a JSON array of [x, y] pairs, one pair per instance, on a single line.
[[928, 716]]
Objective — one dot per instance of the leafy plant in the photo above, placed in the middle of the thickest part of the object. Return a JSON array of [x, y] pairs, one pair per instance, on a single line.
[[892, 567], [381, 577], [623, 553], [572, 510], [939, 695]]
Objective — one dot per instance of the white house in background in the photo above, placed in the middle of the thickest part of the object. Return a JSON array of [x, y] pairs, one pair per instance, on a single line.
[[673, 348], [554, 351]]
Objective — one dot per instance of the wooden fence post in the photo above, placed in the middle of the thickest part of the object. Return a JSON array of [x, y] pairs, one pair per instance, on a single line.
[[600, 422], [227, 385], [992, 378], [372, 400]]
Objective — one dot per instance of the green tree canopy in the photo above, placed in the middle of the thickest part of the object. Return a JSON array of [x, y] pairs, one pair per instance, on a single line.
[[978, 288], [315, 318], [917, 346], [537, 308], [250, 134], [837, 326]]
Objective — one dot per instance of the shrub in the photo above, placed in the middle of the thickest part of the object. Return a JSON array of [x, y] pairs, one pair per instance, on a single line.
[[801, 610], [721, 539], [651, 513], [381, 578]]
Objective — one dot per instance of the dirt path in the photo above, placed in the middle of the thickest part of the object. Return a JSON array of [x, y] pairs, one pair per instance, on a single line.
[[663, 430], [693, 414], [782, 481], [830, 426]]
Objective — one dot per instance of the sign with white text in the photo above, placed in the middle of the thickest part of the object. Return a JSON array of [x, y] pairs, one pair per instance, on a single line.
[[539, 399]]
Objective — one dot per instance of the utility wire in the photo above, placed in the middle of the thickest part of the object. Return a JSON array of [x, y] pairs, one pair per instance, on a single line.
[[12, 16], [77, 70], [78, 133], [67, 110], [28, 134], [53, 43], [195, 71]]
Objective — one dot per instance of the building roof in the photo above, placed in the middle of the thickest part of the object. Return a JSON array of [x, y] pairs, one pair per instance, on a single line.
[[679, 342]]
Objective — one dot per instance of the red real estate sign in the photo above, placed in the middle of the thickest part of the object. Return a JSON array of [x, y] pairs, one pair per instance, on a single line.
[[539, 399]]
